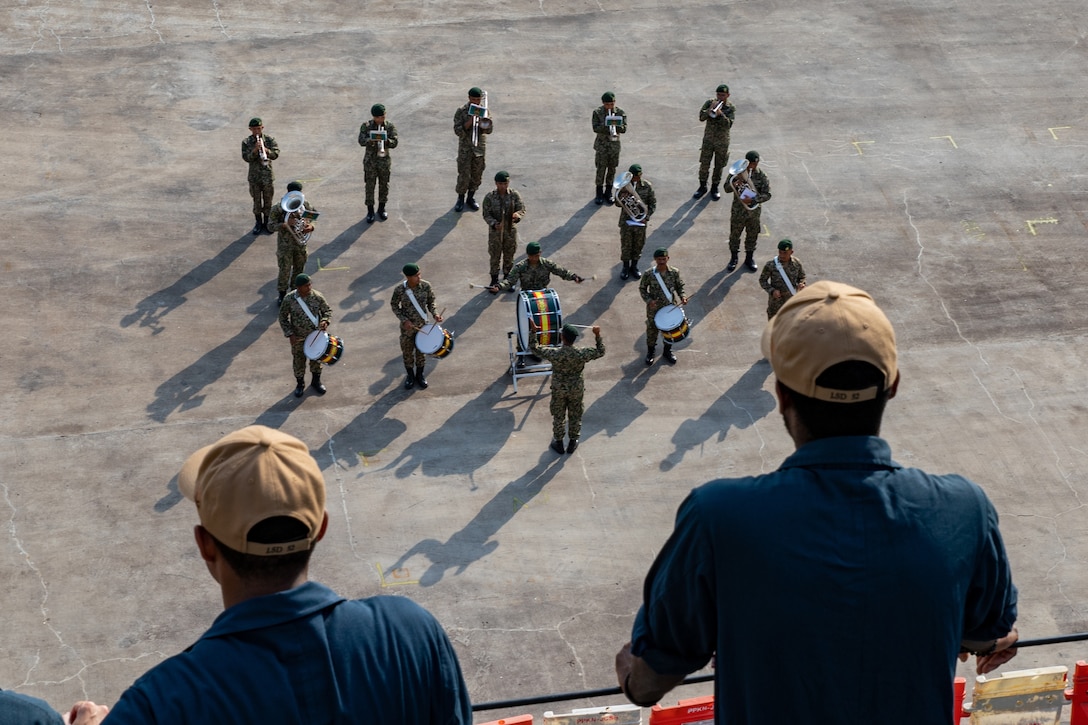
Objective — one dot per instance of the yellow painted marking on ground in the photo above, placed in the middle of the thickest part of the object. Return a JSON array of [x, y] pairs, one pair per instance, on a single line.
[[1032, 222], [400, 573], [972, 229], [857, 145], [950, 140], [368, 457], [1057, 128], [329, 269]]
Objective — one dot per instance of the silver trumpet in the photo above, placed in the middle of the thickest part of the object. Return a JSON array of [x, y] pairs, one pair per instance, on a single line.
[[717, 110], [293, 203], [481, 122], [741, 184], [262, 151], [625, 194]]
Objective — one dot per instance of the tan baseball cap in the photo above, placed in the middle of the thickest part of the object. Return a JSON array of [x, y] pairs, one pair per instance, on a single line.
[[824, 324], [251, 475]]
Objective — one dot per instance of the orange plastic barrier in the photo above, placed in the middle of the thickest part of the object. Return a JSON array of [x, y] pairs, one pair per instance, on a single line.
[[516, 720], [695, 711], [1078, 695]]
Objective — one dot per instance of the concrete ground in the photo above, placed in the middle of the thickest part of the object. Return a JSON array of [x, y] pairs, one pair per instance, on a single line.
[[931, 153]]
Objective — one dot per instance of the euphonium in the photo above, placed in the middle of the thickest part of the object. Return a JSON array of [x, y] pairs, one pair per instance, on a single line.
[[293, 203], [741, 185], [625, 194]]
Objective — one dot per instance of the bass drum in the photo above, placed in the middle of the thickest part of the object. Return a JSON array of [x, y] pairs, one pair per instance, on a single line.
[[542, 306]]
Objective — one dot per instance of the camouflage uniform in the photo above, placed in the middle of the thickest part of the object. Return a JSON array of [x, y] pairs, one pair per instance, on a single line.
[[568, 385], [770, 280], [261, 178], [606, 145], [290, 254], [376, 168], [715, 141], [633, 237], [405, 310], [293, 321], [650, 291], [743, 220], [502, 243], [534, 278], [470, 159]]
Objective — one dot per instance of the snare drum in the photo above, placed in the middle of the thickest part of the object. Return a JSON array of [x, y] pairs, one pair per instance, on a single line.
[[672, 322], [433, 340], [322, 347], [543, 306]]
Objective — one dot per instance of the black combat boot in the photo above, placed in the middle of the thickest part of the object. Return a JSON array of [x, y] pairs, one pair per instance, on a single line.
[[369, 213], [410, 381], [572, 446], [667, 354], [634, 269], [608, 198], [420, 380], [470, 201], [258, 227], [317, 386], [700, 192], [600, 196], [749, 263], [460, 205], [625, 273], [650, 355], [714, 193], [381, 212], [732, 262], [300, 387], [494, 280], [556, 445], [283, 293]]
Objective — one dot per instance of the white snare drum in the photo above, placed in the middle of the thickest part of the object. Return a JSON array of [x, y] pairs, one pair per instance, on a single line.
[[433, 340], [322, 347], [543, 306], [673, 323]]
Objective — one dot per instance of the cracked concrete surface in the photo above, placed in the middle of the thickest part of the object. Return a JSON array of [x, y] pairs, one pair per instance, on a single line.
[[931, 154]]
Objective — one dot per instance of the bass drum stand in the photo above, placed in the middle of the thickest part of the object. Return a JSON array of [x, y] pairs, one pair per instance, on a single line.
[[523, 364]]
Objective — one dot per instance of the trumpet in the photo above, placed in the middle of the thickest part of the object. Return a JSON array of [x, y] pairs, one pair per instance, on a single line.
[[628, 198], [741, 184], [613, 121], [717, 110], [381, 140], [481, 122], [261, 151], [293, 205]]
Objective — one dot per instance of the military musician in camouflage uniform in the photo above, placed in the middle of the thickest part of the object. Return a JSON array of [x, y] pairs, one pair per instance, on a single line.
[[745, 220], [291, 251], [376, 160], [656, 298], [780, 275], [534, 272], [261, 179], [411, 321], [606, 143], [503, 209], [568, 385], [296, 325], [632, 234], [717, 113], [471, 151]]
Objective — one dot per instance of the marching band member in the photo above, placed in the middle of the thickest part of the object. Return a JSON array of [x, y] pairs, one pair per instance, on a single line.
[[503, 209], [259, 151], [606, 143], [632, 233], [650, 289], [533, 273], [743, 219], [717, 113], [376, 160], [302, 311], [568, 383], [412, 300], [782, 278], [291, 253], [471, 150]]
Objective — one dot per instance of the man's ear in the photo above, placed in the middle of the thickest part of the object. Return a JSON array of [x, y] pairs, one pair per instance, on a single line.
[[209, 552], [323, 529], [785, 402], [895, 386]]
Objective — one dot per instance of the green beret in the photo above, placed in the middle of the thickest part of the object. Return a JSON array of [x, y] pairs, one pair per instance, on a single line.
[[722, 89], [608, 97], [532, 248], [301, 279], [255, 122], [785, 244], [475, 92], [295, 186], [502, 176], [570, 332], [410, 270], [377, 110], [661, 252], [752, 156], [635, 169]]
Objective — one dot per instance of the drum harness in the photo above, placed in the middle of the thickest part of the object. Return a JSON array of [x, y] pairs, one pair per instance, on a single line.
[[664, 289], [415, 303], [785, 278], [313, 319]]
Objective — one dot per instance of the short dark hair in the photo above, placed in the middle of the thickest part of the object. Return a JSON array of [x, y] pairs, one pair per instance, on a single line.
[[270, 569], [824, 419]]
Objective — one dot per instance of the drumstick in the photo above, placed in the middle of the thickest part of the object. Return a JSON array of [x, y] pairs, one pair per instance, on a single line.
[[473, 285], [582, 327]]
